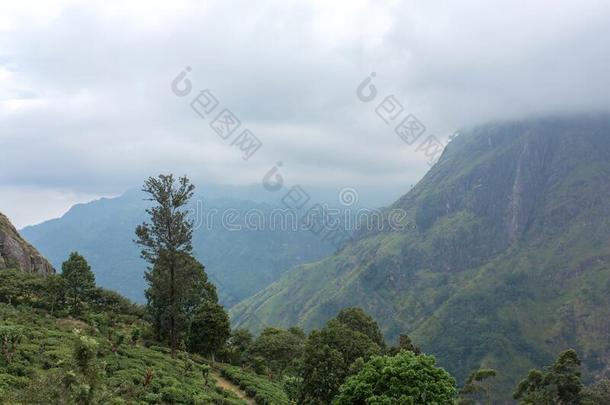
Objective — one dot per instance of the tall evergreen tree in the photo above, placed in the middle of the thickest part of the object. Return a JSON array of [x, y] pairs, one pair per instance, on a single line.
[[168, 237], [79, 282], [193, 290]]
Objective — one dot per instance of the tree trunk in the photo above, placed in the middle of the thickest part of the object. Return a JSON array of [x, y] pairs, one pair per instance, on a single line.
[[172, 303]]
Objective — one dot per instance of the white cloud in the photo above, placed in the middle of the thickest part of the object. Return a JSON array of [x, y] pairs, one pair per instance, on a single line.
[[28, 206], [86, 108]]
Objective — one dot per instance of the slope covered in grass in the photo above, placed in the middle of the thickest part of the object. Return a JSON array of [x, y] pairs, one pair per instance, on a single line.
[[132, 373], [255, 386]]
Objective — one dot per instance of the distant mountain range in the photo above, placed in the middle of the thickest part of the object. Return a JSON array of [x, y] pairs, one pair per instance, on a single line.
[[505, 259], [240, 262]]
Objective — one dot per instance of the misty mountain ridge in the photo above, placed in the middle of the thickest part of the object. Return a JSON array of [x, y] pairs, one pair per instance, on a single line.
[[507, 264], [240, 259]]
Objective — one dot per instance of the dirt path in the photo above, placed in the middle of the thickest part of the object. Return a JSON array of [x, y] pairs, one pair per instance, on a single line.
[[229, 386]]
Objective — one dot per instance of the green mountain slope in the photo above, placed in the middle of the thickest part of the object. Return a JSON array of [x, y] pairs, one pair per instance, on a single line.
[[106, 355], [133, 373], [504, 260]]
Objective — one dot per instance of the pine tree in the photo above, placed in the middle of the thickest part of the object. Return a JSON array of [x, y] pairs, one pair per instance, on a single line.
[[167, 238]]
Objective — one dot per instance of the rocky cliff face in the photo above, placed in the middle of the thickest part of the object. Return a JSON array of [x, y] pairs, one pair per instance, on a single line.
[[16, 252]]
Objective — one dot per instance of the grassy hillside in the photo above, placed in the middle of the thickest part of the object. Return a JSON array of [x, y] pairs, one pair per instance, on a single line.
[[504, 260], [106, 355], [45, 352]]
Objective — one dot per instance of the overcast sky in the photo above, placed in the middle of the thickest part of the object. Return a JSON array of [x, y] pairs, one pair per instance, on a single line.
[[86, 107]]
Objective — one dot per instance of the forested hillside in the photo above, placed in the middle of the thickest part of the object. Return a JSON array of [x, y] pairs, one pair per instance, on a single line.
[[504, 262], [64, 340]]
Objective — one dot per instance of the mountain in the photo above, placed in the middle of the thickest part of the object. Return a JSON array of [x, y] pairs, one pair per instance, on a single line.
[[240, 262], [16, 252], [503, 262]]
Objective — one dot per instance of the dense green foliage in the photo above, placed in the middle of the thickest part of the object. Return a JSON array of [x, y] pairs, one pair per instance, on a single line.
[[47, 293], [559, 384], [406, 378], [278, 348], [236, 351], [356, 319], [328, 359], [597, 393], [209, 329], [194, 290], [78, 282], [109, 355]]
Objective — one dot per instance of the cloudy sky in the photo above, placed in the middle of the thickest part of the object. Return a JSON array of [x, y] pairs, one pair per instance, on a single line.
[[87, 110]]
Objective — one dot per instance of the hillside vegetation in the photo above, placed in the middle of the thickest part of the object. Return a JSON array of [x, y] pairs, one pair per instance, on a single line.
[[49, 362], [65, 340], [503, 262]]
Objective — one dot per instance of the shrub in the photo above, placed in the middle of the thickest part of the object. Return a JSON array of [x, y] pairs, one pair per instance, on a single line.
[[404, 378], [10, 337], [135, 335], [175, 395]]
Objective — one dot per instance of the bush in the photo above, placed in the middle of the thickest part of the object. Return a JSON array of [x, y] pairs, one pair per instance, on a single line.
[[10, 337], [259, 365], [135, 335], [404, 378], [291, 387], [175, 395]]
